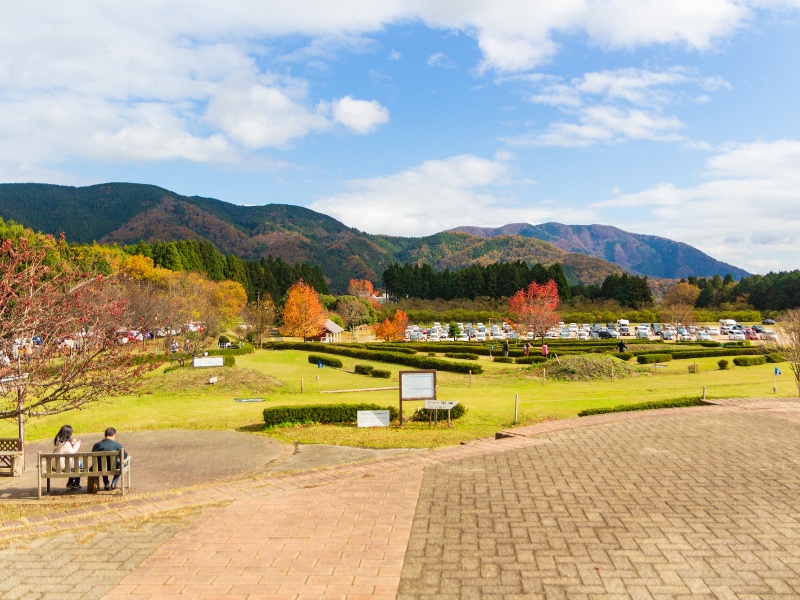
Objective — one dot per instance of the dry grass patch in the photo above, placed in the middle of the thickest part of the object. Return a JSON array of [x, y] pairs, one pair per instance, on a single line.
[[230, 380]]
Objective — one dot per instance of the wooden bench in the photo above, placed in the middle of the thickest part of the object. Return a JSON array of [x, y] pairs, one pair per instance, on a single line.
[[92, 465], [10, 457]]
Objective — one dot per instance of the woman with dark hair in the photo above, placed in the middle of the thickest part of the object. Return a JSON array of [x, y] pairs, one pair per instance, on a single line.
[[65, 444]]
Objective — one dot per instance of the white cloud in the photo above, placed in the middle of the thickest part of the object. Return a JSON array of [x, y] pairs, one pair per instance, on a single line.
[[612, 106], [395, 55], [360, 116], [440, 59], [747, 207], [434, 196]]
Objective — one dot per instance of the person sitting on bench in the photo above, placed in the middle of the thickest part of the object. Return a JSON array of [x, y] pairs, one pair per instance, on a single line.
[[109, 444]]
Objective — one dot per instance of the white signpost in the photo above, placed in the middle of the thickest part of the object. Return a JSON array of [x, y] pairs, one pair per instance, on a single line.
[[417, 385], [373, 418], [437, 405], [208, 361]]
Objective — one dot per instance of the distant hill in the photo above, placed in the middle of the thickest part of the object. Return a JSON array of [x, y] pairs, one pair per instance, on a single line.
[[643, 254], [125, 213]]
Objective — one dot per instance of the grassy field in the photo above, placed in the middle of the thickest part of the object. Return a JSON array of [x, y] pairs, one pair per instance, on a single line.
[[182, 399]]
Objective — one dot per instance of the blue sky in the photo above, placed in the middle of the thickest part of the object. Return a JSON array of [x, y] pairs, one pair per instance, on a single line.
[[408, 117]]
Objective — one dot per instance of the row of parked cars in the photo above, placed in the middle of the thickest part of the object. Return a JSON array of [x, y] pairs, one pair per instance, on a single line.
[[622, 328]]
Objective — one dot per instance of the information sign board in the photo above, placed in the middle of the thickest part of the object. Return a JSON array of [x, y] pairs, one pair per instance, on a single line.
[[417, 385], [373, 418], [208, 361]]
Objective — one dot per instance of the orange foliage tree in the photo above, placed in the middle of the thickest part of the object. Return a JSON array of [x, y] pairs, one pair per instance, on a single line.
[[303, 314], [392, 330], [361, 288], [534, 308]]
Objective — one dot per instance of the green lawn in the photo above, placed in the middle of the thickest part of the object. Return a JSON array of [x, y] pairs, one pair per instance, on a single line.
[[182, 399]]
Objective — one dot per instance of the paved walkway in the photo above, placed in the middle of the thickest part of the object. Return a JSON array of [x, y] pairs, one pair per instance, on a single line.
[[679, 503]]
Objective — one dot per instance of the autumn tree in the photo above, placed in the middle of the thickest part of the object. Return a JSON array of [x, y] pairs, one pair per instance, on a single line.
[[361, 288], [678, 303], [260, 316], [534, 308], [352, 312], [44, 302], [392, 329], [788, 341], [303, 314]]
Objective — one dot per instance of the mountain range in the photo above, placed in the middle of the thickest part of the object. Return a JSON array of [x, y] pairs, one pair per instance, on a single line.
[[125, 213]]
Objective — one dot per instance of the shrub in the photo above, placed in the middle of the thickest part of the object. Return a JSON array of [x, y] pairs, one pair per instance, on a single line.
[[624, 355], [722, 364], [503, 359], [529, 360], [648, 359], [673, 403], [381, 374], [364, 369], [692, 368], [321, 413], [423, 414], [245, 349], [749, 361], [586, 367], [328, 361], [775, 357], [228, 361], [223, 339], [461, 355], [431, 353]]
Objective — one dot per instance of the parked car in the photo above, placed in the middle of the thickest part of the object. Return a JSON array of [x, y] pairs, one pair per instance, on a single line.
[[462, 338], [565, 333], [643, 334], [604, 334], [736, 335], [768, 322], [751, 335], [713, 330], [702, 336], [480, 336], [624, 330], [582, 334]]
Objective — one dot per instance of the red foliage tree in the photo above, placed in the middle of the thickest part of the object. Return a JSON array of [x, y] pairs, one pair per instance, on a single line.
[[58, 333], [361, 288], [535, 307]]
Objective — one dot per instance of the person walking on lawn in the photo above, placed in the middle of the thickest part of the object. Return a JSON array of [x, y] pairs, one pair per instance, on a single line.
[[109, 444]]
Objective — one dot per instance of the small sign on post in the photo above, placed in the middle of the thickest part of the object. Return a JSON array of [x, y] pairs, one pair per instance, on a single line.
[[437, 405]]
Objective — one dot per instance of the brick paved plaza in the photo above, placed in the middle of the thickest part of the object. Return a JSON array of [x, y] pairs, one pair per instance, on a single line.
[[680, 503]]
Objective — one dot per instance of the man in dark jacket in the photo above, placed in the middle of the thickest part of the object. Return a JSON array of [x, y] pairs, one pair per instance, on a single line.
[[109, 444]]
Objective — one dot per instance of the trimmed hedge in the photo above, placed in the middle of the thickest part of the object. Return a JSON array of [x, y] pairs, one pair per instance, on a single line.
[[648, 359], [245, 349], [529, 360], [364, 369], [722, 364], [228, 361], [321, 413], [461, 355], [673, 403], [417, 362], [325, 360], [503, 359], [775, 357], [749, 361], [381, 374], [423, 414], [624, 355]]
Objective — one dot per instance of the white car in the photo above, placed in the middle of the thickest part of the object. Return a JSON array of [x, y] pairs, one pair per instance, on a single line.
[[462, 338], [565, 333], [736, 335], [480, 336], [433, 337], [702, 336], [712, 330], [582, 334], [573, 327]]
